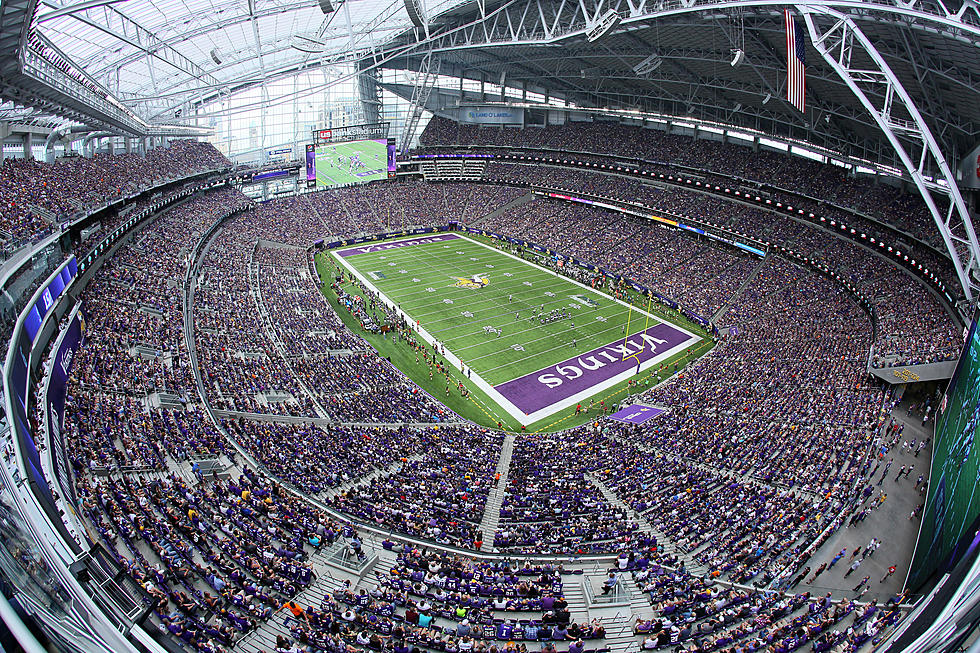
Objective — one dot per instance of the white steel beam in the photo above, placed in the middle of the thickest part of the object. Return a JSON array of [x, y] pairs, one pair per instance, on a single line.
[[424, 81], [837, 38]]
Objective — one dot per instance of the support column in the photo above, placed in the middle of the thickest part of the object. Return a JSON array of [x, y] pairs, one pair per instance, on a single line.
[[4, 133], [26, 139]]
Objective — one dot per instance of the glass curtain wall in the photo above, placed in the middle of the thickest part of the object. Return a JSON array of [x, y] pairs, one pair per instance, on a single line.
[[272, 122]]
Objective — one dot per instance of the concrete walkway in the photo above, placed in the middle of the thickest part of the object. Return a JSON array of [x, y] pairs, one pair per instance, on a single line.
[[889, 523]]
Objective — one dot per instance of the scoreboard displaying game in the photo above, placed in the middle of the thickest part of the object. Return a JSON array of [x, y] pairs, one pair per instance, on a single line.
[[346, 156], [951, 518]]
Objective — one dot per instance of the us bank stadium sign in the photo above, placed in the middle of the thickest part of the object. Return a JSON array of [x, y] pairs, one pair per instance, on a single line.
[[351, 133]]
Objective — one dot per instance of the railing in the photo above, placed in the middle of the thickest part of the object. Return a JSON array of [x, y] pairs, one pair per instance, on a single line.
[[42, 70], [618, 594]]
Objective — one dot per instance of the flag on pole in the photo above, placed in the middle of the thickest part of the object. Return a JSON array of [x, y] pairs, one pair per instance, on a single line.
[[795, 62]]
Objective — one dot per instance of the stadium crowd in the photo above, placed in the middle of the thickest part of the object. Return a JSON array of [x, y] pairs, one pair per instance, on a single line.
[[914, 327], [36, 197], [829, 190], [695, 615], [135, 349], [440, 494], [551, 507], [217, 558], [761, 455]]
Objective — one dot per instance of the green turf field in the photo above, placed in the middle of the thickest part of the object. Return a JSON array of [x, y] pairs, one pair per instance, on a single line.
[[485, 307], [357, 162]]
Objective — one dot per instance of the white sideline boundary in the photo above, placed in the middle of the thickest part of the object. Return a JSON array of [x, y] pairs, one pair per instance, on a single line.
[[512, 410]]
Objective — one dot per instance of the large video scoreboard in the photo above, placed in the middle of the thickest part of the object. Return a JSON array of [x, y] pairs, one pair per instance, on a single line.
[[951, 520], [344, 156]]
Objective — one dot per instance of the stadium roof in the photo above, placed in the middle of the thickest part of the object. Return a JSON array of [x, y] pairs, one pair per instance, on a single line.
[[161, 55], [934, 60]]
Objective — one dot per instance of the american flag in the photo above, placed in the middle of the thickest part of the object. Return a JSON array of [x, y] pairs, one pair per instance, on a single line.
[[795, 63]]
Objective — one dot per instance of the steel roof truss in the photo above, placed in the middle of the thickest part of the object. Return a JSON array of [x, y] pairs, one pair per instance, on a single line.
[[837, 44]]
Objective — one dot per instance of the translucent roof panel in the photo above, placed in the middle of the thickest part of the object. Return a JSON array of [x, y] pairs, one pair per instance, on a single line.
[[160, 55]]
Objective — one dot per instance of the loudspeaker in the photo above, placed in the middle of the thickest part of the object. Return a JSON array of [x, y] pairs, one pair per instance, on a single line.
[[325, 6], [214, 56], [603, 25], [648, 65], [738, 58]]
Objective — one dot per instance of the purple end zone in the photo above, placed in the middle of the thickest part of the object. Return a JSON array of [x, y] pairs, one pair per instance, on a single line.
[[637, 414], [540, 389], [367, 248]]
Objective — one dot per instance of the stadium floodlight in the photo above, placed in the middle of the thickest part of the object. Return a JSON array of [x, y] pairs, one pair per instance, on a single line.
[[648, 65], [602, 26]]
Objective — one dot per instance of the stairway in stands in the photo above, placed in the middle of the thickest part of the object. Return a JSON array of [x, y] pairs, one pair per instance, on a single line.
[[619, 632], [575, 595], [380, 472], [738, 293], [518, 201], [665, 543], [491, 514], [263, 639]]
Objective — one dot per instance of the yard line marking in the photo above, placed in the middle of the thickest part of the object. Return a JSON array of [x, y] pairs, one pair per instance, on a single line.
[[476, 378]]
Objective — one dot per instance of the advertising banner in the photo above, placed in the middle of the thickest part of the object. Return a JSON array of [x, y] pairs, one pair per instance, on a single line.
[[491, 115], [637, 414], [55, 400]]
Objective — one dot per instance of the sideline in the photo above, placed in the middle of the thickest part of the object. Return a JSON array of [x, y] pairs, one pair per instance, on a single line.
[[520, 416]]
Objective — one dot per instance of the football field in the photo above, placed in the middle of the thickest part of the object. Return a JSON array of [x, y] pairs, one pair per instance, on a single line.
[[357, 162], [533, 341]]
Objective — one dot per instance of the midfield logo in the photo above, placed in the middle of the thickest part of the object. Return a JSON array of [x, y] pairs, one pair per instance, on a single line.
[[474, 282]]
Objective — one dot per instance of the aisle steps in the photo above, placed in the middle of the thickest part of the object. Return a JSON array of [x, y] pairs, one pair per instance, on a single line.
[[491, 514]]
